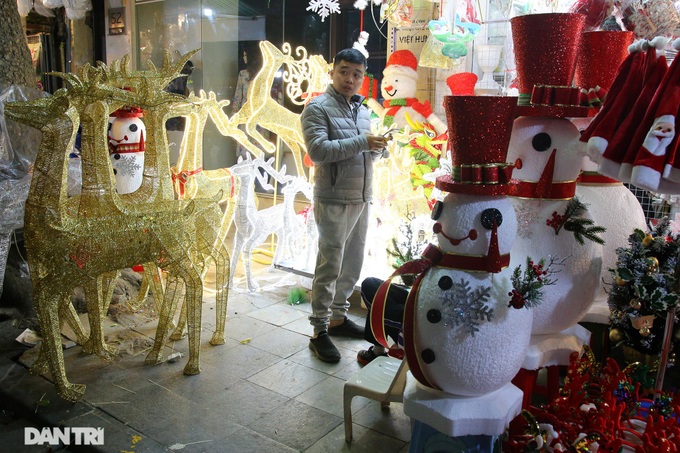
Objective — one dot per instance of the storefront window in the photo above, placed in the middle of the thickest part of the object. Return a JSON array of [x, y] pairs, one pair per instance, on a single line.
[[227, 32]]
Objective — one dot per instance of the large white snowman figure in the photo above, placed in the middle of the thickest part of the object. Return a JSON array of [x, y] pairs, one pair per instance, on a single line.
[[614, 207], [461, 336], [398, 88], [126, 148], [550, 223], [544, 183]]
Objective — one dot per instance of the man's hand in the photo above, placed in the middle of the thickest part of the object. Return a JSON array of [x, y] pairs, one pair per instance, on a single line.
[[376, 142]]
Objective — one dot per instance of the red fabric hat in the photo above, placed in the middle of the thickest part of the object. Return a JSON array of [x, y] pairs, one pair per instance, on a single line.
[[462, 83], [128, 112], [599, 57], [403, 61], [479, 134], [546, 46]]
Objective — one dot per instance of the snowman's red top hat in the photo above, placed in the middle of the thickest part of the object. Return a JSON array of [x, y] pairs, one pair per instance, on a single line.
[[479, 134], [128, 112], [546, 46], [599, 57]]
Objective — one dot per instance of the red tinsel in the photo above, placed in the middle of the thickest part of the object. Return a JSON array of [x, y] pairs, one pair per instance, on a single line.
[[599, 405], [596, 11]]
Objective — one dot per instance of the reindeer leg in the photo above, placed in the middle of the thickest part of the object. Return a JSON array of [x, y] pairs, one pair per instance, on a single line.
[[247, 260], [181, 329], [264, 143], [297, 156], [239, 240], [68, 313], [194, 303], [173, 291], [50, 349], [221, 257], [147, 280], [98, 292]]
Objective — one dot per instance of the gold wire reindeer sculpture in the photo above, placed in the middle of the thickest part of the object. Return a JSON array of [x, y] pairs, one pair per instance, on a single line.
[[69, 240]]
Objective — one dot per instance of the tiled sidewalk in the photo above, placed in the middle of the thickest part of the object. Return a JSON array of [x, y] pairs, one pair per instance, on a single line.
[[262, 391]]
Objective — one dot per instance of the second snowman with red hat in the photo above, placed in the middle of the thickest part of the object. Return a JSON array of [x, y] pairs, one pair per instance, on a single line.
[[461, 335], [398, 88]]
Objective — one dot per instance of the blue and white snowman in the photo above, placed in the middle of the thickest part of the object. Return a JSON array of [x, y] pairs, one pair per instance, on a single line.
[[461, 336]]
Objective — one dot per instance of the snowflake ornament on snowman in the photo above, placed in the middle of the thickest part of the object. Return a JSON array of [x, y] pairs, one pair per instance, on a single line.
[[398, 88], [126, 148], [461, 335]]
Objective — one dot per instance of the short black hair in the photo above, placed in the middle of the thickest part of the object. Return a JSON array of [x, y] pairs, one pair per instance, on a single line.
[[350, 56]]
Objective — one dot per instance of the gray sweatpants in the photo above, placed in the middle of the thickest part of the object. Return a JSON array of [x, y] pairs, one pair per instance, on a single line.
[[342, 237]]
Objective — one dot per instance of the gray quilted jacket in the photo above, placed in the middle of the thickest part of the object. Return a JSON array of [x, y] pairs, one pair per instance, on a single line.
[[334, 134]]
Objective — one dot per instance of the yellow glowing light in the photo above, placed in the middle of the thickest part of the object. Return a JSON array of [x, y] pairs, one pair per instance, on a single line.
[[261, 110]]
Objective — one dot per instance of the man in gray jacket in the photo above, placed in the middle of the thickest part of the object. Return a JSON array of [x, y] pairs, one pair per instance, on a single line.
[[336, 127]]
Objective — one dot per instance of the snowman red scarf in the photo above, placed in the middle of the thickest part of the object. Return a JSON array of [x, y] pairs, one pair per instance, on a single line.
[[393, 106]]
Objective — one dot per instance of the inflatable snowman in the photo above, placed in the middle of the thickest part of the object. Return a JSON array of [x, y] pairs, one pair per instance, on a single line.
[[461, 336], [126, 148], [398, 88]]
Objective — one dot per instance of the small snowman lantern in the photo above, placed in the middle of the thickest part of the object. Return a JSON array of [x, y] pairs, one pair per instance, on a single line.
[[398, 88], [126, 148], [553, 226], [461, 336]]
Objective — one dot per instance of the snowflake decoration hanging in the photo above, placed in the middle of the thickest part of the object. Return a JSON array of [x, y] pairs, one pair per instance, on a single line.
[[526, 217], [465, 307], [126, 166], [324, 8]]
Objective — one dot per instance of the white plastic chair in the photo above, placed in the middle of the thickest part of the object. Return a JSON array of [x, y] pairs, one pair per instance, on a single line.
[[383, 379]]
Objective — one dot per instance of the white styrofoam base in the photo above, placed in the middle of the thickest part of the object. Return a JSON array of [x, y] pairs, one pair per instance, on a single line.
[[555, 348], [456, 416]]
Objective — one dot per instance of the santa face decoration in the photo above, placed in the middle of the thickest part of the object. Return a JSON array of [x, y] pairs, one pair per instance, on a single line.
[[126, 151]]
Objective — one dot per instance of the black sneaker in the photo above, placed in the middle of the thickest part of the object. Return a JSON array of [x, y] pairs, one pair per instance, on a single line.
[[324, 348], [366, 356], [347, 329]]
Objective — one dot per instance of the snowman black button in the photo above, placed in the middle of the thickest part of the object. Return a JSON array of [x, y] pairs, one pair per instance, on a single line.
[[434, 316], [133, 127], [437, 210], [427, 355], [445, 282], [541, 142], [491, 216]]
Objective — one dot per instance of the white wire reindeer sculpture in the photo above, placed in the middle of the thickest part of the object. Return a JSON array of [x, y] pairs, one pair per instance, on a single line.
[[299, 236], [253, 226]]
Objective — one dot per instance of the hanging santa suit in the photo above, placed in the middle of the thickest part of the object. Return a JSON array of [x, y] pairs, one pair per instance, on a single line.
[[630, 64], [654, 158], [614, 110], [618, 158]]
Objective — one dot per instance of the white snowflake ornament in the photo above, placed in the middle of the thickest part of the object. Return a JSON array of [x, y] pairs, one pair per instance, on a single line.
[[324, 8]]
